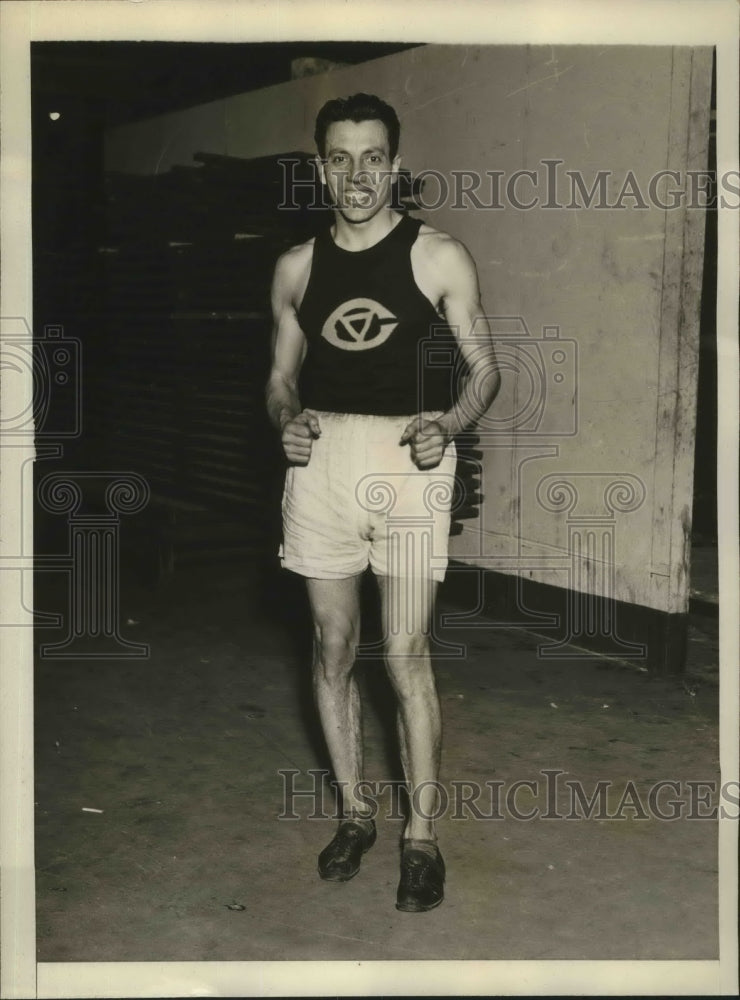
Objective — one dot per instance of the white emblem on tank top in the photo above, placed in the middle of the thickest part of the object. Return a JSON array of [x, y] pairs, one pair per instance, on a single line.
[[359, 325]]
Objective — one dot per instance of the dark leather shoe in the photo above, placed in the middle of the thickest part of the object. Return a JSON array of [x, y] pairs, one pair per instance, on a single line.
[[340, 859], [422, 879]]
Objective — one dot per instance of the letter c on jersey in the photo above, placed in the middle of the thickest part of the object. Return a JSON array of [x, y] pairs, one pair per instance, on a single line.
[[359, 325]]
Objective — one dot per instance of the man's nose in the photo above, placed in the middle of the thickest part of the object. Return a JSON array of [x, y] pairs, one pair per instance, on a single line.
[[360, 175]]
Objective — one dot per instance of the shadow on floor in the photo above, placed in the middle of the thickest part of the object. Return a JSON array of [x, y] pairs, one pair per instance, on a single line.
[[191, 755]]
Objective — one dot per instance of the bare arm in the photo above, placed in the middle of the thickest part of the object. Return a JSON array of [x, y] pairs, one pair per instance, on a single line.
[[297, 427], [464, 314], [457, 279], [288, 346]]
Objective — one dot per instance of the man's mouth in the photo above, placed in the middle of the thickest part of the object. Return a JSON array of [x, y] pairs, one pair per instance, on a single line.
[[358, 199]]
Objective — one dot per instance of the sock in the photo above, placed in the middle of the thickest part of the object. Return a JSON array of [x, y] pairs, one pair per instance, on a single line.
[[424, 846], [365, 822]]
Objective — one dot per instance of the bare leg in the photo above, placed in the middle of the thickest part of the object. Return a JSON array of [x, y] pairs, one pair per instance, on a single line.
[[335, 607], [407, 606]]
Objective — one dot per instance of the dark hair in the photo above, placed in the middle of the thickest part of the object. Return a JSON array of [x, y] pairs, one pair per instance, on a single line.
[[357, 108]]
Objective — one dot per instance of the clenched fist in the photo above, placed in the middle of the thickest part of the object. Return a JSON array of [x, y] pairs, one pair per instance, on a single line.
[[298, 437], [427, 440]]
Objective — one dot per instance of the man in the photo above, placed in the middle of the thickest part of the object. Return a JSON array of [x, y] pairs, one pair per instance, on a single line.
[[368, 431]]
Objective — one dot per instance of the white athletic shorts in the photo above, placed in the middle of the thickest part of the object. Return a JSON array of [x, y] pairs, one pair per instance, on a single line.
[[361, 501]]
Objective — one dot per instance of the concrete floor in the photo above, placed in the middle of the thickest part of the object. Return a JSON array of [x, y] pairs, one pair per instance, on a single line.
[[188, 861]]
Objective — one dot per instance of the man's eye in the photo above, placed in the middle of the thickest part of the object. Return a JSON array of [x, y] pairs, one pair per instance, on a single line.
[[338, 159]]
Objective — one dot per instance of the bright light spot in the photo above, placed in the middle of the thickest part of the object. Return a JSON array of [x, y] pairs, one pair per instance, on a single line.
[[54, 115]]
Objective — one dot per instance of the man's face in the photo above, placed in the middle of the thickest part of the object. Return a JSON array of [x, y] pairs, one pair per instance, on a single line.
[[358, 169]]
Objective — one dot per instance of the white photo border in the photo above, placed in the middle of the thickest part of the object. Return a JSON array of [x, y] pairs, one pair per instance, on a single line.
[[606, 22]]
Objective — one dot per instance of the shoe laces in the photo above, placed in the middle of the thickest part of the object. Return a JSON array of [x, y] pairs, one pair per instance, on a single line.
[[415, 869], [344, 842]]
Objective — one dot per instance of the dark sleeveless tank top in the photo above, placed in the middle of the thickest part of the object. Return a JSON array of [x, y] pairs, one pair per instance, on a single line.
[[375, 342]]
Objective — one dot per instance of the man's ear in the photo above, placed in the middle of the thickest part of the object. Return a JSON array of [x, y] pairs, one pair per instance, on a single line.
[[321, 168], [395, 167]]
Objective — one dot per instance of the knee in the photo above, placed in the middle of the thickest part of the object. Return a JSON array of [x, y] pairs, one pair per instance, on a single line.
[[413, 647], [335, 650], [409, 666]]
